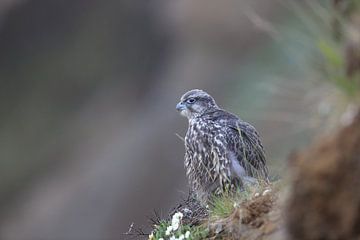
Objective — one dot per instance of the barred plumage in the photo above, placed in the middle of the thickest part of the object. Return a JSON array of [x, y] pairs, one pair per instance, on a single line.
[[222, 152]]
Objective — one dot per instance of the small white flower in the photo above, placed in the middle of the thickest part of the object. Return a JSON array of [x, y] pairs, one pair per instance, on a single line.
[[161, 239], [173, 238], [175, 226], [187, 234], [151, 236], [181, 237], [168, 230], [267, 191], [178, 215], [175, 221]]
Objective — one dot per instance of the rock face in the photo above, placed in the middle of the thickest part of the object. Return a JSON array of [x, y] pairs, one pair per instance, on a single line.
[[325, 198]]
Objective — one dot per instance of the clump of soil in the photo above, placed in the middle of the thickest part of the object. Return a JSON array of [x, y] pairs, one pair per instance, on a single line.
[[252, 219], [325, 198]]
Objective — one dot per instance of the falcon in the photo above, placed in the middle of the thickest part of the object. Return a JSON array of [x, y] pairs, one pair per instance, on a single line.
[[222, 152]]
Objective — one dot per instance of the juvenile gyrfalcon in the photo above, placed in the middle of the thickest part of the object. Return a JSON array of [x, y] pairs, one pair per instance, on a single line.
[[222, 152]]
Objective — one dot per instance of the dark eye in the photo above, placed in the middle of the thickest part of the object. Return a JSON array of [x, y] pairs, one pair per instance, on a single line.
[[191, 100]]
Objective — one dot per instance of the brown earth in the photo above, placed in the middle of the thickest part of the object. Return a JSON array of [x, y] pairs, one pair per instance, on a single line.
[[325, 197], [257, 218]]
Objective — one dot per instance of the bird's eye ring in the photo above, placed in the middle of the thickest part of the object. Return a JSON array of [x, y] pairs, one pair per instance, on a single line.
[[191, 100]]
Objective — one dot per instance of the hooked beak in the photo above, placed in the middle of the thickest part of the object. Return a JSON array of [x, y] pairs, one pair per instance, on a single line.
[[180, 106]]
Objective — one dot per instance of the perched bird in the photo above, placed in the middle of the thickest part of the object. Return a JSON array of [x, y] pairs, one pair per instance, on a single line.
[[222, 152]]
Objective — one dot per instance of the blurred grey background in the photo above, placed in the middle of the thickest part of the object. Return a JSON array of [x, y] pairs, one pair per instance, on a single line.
[[88, 94]]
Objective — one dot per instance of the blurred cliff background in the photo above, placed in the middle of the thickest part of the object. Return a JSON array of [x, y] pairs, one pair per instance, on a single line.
[[88, 94]]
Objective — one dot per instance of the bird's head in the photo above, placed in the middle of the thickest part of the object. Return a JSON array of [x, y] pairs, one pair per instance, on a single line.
[[194, 103]]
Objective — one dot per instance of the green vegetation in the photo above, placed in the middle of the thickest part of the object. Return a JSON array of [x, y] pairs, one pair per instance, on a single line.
[[175, 230], [223, 206], [220, 208], [331, 31]]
